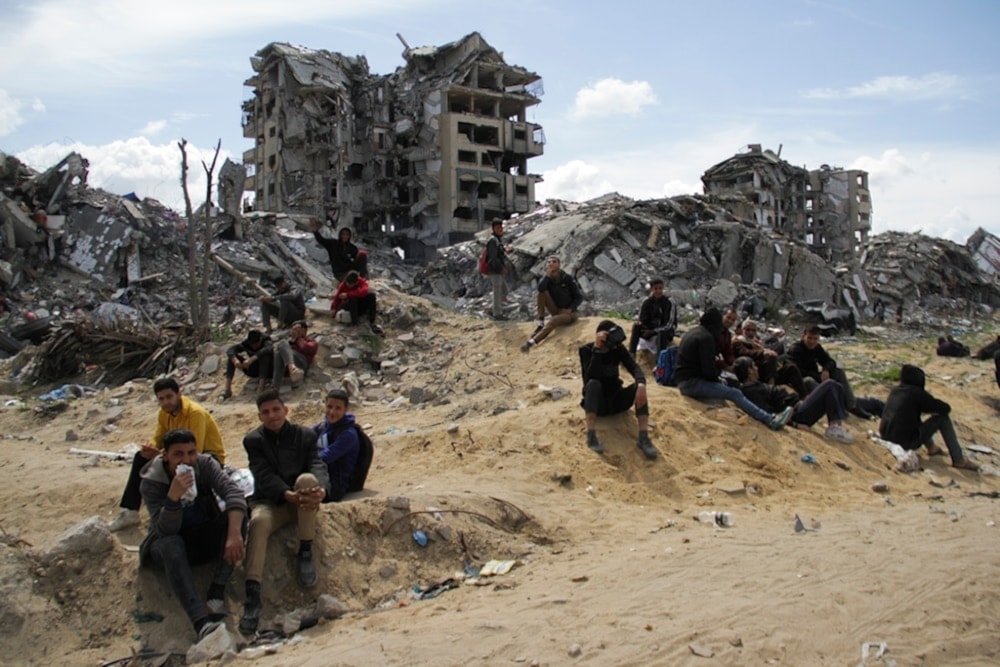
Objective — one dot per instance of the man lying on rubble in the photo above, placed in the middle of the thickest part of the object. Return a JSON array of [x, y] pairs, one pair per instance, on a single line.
[[947, 346], [254, 355], [176, 412], [828, 398], [290, 482], [354, 297], [698, 376], [603, 390], [286, 303], [186, 526], [559, 296], [901, 420], [817, 365]]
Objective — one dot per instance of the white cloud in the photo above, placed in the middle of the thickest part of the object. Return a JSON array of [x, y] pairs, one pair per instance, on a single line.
[[574, 181], [676, 187], [153, 127], [37, 105], [613, 96], [10, 113], [134, 165], [932, 86], [127, 41]]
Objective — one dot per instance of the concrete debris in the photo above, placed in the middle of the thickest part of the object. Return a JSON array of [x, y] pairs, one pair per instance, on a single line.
[[87, 539]]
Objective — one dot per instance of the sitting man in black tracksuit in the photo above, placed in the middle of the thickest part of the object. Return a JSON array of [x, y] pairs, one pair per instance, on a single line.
[[603, 390], [657, 319]]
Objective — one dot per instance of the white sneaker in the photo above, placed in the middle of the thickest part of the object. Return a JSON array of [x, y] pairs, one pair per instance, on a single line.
[[127, 519], [295, 376], [838, 433]]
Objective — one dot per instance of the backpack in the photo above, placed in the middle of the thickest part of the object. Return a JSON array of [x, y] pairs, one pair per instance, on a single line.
[[666, 364], [484, 267], [366, 452]]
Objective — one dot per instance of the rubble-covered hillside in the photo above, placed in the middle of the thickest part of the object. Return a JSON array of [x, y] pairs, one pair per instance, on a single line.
[[79, 266]]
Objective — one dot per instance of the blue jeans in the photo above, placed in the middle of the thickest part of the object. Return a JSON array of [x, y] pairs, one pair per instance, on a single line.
[[698, 388]]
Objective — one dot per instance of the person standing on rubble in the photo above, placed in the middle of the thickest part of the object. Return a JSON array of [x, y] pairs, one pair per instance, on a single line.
[[286, 303], [344, 255], [559, 295], [496, 265], [176, 412]]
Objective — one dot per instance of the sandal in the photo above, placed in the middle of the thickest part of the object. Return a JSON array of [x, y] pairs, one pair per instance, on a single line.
[[934, 450], [966, 464], [226, 394]]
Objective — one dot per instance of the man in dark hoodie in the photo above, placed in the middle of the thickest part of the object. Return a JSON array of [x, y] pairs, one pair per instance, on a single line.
[[343, 254], [817, 365], [185, 532], [290, 482], [603, 393], [901, 420], [287, 304], [698, 376]]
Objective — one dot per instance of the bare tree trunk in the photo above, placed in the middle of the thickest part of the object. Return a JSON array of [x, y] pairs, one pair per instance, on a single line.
[[191, 239], [199, 247]]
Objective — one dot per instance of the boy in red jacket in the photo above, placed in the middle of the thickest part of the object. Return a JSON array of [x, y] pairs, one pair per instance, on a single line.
[[353, 296]]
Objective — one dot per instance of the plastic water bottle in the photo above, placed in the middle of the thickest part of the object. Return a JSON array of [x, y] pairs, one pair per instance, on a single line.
[[192, 492]]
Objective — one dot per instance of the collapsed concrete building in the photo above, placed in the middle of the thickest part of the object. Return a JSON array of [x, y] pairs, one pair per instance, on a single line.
[[829, 209], [426, 156]]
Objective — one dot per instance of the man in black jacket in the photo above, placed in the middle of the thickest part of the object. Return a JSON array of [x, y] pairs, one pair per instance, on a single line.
[[559, 295], [657, 319], [603, 390], [286, 303], [817, 365], [343, 254], [901, 418], [290, 482], [254, 355], [697, 374]]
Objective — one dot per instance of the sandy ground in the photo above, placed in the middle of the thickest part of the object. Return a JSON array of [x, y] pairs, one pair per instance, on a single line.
[[613, 566]]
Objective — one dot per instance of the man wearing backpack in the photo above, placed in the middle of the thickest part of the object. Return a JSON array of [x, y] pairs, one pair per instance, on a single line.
[[339, 445], [496, 267]]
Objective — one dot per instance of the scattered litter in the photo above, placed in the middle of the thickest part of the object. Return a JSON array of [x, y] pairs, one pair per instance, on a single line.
[[800, 527], [114, 456], [982, 449], [808, 458], [434, 590], [720, 519], [873, 650], [701, 651], [494, 567], [880, 487], [68, 391], [905, 461], [420, 537]]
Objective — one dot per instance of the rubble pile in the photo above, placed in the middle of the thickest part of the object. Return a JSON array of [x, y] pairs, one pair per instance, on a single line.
[[926, 273]]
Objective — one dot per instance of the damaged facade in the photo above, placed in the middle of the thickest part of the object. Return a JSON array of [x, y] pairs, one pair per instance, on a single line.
[[829, 209], [427, 155]]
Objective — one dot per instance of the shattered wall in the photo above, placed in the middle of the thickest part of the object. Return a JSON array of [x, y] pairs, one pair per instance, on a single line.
[[829, 208], [427, 155]]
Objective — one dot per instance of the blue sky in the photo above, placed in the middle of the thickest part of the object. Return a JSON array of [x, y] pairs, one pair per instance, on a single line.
[[640, 97]]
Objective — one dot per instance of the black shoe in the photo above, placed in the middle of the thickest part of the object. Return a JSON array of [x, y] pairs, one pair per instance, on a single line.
[[594, 444], [250, 618], [377, 330], [537, 329], [307, 571], [860, 413], [647, 447]]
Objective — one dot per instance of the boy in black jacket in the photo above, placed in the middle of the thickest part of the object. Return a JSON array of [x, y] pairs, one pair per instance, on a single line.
[[603, 390], [901, 419]]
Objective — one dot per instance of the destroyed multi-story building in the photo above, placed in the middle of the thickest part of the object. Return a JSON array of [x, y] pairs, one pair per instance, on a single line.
[[426, 156], [829, 209]]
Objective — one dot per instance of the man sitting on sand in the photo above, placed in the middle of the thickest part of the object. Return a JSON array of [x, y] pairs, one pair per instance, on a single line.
[[817, 365], [559, 295], [901, 423], [603, 393], [186, 531], [698, 376], [827, 398]]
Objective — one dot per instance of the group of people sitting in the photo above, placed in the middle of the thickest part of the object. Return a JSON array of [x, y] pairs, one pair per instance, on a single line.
[[179, 477]]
